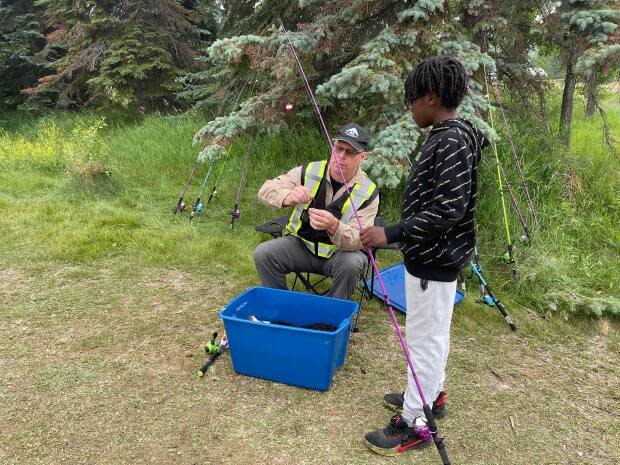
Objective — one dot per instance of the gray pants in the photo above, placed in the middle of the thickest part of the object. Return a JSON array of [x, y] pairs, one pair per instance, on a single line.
[[277, 257], [427, 327]]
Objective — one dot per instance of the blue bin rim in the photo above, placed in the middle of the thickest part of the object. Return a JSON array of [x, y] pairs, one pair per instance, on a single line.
[[343, 324]]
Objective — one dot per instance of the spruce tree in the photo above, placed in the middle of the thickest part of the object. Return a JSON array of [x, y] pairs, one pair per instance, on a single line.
[[579, 28], [124, 53], [598, 65], [21, 41], [356, 55], [506, 30]]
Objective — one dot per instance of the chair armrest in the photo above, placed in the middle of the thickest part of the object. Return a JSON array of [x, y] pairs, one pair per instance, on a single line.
[[274, 227]]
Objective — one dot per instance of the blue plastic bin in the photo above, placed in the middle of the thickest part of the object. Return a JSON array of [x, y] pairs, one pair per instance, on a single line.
[[288, 354]]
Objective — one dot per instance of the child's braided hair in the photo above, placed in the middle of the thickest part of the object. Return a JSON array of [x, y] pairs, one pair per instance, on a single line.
[[442, 75]]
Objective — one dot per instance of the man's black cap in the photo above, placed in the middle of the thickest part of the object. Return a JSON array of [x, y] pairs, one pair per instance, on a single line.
[[355, 135]]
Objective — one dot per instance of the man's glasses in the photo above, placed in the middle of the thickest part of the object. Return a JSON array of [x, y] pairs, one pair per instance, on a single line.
[[348, 152]]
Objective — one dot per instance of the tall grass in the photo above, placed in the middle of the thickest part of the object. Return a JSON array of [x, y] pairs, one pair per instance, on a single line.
[[84, 188], [572, 263]]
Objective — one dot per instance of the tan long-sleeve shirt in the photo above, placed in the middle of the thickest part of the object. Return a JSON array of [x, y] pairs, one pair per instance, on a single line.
[[347, 237]]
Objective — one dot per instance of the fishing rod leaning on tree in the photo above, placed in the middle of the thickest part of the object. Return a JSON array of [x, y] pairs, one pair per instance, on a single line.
[[198, 207], [502, 180], [437, 439], [515, 157], [509, 255], [236, 214], [214, 190], [180, 206]]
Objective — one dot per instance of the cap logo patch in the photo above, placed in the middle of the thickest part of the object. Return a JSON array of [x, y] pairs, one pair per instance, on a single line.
[[352, 132]]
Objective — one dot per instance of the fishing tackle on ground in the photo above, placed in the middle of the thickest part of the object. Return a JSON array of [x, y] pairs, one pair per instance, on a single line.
[[236, 214], [437, 439], [211, 346], [221, 348]]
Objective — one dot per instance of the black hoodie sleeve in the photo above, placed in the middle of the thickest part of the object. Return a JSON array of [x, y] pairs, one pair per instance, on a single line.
[[451, 187]]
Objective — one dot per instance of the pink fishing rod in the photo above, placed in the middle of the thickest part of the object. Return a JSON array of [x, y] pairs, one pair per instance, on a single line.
[[427, 410]]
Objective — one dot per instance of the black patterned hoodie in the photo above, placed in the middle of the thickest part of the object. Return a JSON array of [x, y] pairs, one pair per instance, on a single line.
[[437, 230]]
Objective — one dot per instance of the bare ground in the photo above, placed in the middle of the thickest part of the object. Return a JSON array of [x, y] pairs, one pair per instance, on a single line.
[[98, 366]]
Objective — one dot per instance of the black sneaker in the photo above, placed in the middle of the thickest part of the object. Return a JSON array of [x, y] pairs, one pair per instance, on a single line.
[[397, 437], [395, 402]]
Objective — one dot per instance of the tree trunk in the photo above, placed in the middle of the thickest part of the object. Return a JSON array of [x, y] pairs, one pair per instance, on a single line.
[[566, 114], [591, 88]]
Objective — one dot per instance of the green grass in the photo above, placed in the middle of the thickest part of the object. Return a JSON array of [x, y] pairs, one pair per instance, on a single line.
[[107, 300], [572, 264]]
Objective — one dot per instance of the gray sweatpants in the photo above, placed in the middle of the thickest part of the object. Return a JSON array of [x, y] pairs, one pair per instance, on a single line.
[[427, 328], [277, 257]]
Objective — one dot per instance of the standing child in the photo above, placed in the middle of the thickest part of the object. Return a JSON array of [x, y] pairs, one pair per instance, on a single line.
[[436, 234]]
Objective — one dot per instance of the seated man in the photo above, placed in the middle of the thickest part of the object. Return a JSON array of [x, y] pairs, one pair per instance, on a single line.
[[323, 233]]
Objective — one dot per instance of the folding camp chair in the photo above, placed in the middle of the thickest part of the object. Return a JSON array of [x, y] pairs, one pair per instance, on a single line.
[[311, 282]]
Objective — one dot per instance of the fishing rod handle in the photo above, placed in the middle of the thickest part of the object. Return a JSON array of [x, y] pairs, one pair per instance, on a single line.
[[211, 196], [180, 206], [500, 307], [502, 310], [212, 359], [437, 439]]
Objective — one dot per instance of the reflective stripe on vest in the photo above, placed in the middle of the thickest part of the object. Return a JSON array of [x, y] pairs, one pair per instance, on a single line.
[[312, 180], [359, 194], [320, 248]]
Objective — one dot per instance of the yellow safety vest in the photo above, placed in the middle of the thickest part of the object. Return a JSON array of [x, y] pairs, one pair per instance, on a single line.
[[315, 172]]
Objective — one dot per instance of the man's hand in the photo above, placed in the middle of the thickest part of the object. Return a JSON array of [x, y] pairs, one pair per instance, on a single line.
[[322, 220], [299, 195], [373, 237]]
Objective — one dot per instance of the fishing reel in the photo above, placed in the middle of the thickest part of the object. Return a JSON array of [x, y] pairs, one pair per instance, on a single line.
[[211, 346], [236, 214], [179, 207], [198, 208], [487, 300], [219, 350]]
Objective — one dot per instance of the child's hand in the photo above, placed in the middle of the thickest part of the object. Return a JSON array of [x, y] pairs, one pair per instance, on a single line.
[[373, 237]]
